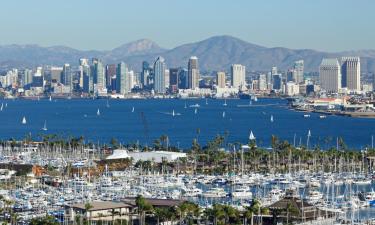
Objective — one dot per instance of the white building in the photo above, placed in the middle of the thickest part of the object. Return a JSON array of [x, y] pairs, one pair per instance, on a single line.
[[351, 73], [330, 75], [155, 156], [291, 89], [262, 82], [238, 75]]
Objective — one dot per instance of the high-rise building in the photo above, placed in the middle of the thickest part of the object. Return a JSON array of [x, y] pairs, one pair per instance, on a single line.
[[193, 73], [277, 82], [166, 78], [110, 71], [66, 75], [330, 75], [88, 79], [220, 79], [274, 70], [351, 73], [145, 74], [98, 72], [262, 82], [173, 79], [83, 62], [298, 70], [122, 79], [238, 75], [159, 75], [28, 77], [183, 79]]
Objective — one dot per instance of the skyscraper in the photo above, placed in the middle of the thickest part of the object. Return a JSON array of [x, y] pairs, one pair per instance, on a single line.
[[262, 82], [98, 72], [159, 75], [220, 79], [110, 71], [122, 79], [238, 75], [351, 73], [173, 79], [66, 75], [145, 74], [330, 75], [298, 70], [193, 73]]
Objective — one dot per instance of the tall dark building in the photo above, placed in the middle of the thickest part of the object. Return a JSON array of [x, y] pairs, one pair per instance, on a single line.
[[173, 79], [110, 71], [146, 74]]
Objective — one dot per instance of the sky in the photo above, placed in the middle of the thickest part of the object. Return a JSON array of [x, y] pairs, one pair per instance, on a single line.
[[328, 25]]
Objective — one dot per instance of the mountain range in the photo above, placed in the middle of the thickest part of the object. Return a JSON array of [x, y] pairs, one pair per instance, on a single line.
[[215, 53]]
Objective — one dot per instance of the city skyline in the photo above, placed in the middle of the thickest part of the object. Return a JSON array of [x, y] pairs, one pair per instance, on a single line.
[[262, 23]]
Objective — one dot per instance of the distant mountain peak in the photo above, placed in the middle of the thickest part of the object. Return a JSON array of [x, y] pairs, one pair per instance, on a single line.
[[138, 47]]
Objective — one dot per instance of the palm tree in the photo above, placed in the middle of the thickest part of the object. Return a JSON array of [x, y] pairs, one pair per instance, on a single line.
[[88, 206], [251, 210], [143, 206]]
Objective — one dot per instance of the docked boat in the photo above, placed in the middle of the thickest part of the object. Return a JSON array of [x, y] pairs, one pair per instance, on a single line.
[[215, 192], [242, 193]]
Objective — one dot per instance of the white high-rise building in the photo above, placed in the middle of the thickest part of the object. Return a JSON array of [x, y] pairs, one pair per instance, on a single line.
[[298, 70], [262, 82], [122, 79], [330, 75], [159, 75], [351, 73], [238, 75], [220, 79], [193, 73]]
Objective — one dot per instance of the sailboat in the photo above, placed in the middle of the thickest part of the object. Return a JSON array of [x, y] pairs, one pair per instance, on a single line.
[[251, 136], [224, 114], [98, 112], [50, 98], [45, 126], [6, 104], [173, 113], [133, 109], [271, 119], [24, 120], [206, 102], [195, 111], [107, 105], [185, 105], [2, 106], [225, 102]]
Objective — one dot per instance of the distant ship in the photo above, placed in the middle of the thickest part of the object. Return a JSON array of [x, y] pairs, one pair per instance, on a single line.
[[271, 119], [133, 109], [224, 114]]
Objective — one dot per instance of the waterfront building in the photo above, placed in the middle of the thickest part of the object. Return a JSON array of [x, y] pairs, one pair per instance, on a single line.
[[28, 77], [110, 71], [291, 88], [55, 74], [122, 79], [330, 75], [351, 73], [193, 73], [276, 82], [220, 79], [238, 75], [145, 74], [262, 82], [298, 70], [88, 80], [159, 75], [173, 79], [166, 78], [98, 74], [66, 75], [183, 78]]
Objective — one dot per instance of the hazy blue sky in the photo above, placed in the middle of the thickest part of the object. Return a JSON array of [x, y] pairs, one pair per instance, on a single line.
[[331, 25]]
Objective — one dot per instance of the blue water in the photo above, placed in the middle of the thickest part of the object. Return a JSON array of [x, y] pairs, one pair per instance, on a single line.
[[78, 117]]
